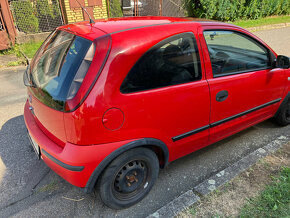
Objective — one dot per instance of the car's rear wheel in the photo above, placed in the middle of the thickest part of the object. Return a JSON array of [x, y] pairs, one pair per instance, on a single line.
[[129, 178], [283, 116]]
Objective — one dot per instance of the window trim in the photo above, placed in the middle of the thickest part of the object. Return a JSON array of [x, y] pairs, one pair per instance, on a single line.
[[241, 72], [159, 45], [270, 54]]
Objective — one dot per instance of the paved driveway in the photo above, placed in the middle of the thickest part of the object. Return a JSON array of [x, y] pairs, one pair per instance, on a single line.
[[29, 188]]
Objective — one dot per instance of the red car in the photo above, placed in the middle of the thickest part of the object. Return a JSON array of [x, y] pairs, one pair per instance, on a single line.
[[112, 102]]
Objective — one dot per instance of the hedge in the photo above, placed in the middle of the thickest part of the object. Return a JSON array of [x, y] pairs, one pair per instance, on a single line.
[[230, 10]]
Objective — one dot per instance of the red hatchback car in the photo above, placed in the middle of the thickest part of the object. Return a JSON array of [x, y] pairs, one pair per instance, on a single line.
[[112, 102]]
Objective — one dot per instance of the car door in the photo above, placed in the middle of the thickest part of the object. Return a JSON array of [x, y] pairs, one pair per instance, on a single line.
[[244, 88]]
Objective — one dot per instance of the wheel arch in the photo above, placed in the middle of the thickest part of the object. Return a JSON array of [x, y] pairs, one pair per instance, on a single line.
[[156, 145]]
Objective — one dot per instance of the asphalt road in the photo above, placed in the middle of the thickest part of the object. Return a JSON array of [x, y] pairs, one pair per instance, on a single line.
[[30, 189]]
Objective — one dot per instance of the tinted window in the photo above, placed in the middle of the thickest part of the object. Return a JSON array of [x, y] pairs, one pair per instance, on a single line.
[[231, 52], [170, 62], [56, 66]]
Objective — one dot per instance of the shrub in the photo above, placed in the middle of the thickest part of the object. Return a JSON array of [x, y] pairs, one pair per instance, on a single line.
[[230, 10], [253, 10], [24, 15], [227, 10], [202, 8]]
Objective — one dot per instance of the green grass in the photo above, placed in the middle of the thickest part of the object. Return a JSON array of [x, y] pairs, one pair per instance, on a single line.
[[15, 63], [28, 49], [274, 201], [262, 21]]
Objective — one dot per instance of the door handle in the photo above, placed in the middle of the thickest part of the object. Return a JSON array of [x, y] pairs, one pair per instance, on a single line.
[[222, 95]]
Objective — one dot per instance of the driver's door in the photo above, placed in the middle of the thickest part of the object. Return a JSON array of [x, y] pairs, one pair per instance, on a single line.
[[244, 88]]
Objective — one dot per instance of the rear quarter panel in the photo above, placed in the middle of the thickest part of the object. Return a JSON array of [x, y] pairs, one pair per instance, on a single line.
[[87, 120]]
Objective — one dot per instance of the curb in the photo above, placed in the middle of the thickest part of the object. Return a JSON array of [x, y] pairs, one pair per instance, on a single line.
[[177, 205], [268, 27], [204, 188]]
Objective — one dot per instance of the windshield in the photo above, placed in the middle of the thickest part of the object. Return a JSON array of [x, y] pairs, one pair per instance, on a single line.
[[56, 65]]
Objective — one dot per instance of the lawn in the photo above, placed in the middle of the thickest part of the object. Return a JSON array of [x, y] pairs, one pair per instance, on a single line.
[[262, 21], [28, 49], [274, 201], [261, 191]]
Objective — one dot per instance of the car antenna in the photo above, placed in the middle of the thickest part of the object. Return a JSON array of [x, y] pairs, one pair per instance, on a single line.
[[91, 20]]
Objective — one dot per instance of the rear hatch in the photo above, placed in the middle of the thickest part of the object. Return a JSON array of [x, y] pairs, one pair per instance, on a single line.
[[56, 76]]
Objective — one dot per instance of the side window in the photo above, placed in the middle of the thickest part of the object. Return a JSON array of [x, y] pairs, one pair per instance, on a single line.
[[170, 62], [232, 52]]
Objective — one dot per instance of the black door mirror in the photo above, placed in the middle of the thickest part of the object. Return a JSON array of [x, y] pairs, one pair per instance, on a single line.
[[283, 62]]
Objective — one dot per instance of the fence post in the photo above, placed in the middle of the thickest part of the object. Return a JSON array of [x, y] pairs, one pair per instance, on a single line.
[[61, 11], [8, 20], [135, 11], [137, 7], [108, 8]]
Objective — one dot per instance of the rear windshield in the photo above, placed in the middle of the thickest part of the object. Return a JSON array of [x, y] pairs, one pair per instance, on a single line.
[[56, 65]]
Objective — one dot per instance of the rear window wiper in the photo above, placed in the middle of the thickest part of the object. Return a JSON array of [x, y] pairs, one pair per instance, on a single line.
[[28, 80]]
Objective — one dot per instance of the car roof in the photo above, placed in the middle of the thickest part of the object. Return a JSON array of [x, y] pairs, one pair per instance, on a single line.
[[121, 24], [114, 25]]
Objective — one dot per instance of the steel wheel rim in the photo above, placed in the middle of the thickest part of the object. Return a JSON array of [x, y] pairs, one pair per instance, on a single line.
[[131, 180]]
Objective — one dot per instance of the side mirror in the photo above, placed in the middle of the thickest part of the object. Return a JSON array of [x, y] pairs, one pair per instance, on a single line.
[[283, 62]]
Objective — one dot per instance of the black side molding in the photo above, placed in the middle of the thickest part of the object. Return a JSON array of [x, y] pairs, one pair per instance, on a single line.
[[244, 113], [145, 142], [62, 164], [190, 133], [175, 138]]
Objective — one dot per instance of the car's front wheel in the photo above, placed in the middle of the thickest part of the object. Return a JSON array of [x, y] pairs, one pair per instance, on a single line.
[[129, 178]]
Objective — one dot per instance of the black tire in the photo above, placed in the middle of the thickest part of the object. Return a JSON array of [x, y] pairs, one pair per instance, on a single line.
[[282, 117], [128, 178]]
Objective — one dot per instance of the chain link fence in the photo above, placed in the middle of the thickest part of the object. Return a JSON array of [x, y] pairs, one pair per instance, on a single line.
[[33, 16], [148, 7], [174, 8]]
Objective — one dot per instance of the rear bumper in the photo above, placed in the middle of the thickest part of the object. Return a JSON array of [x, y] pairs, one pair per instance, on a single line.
[[72, 162]]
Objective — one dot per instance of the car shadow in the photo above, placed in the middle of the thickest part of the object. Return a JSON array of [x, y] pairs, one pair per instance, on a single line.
[[20, 167], [268, 124], [25, 180]]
